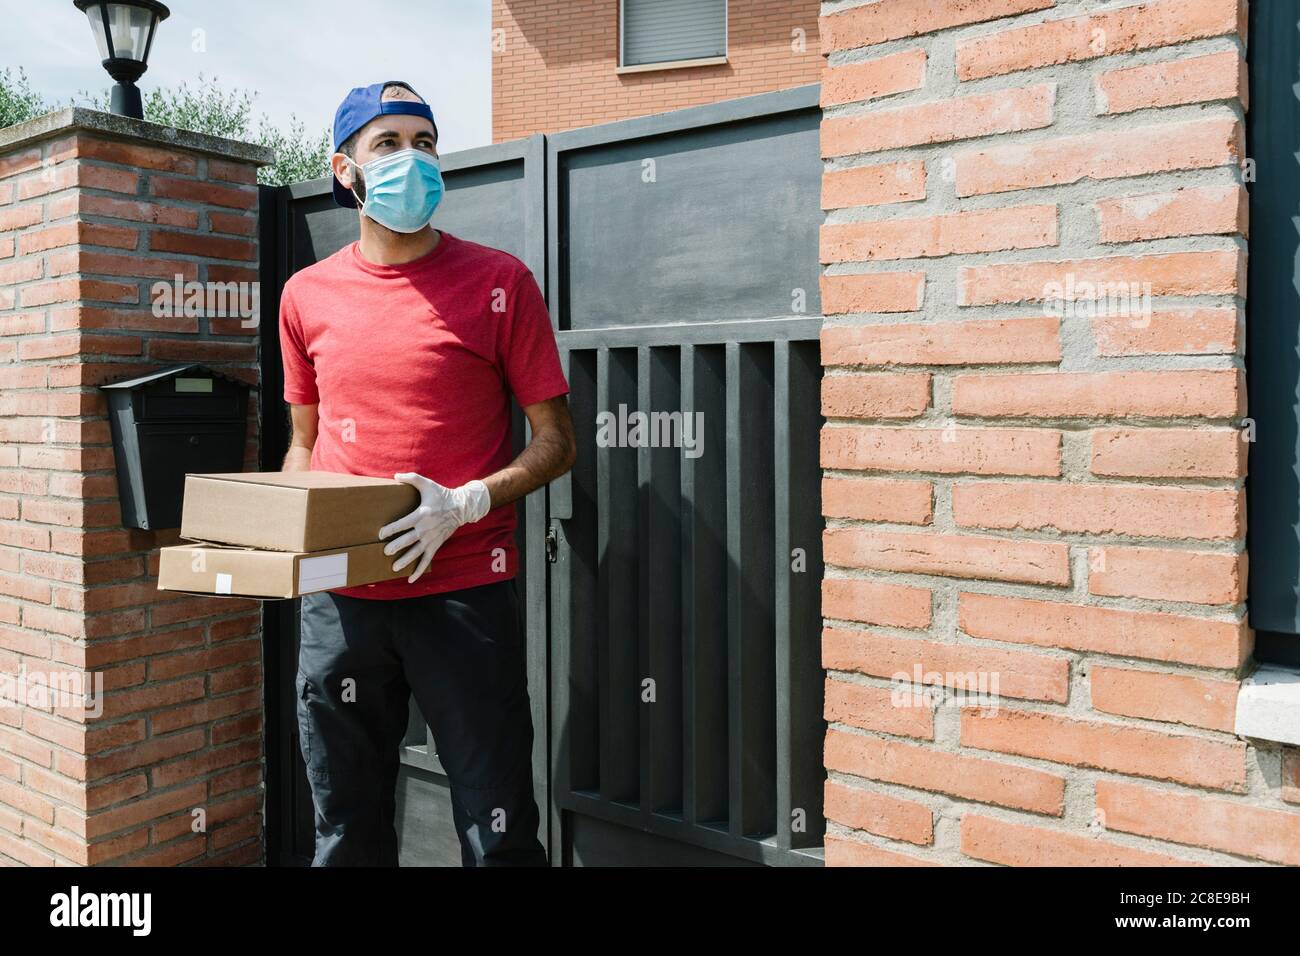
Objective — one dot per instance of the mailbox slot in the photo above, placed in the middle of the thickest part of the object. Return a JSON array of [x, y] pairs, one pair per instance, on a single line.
[[161, 404]]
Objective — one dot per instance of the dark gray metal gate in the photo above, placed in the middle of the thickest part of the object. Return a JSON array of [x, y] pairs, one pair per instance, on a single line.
[[679, 257], [686, 697]]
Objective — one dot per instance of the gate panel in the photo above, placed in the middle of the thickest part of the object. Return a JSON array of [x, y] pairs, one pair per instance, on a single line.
[[700, 215], [687, 691]]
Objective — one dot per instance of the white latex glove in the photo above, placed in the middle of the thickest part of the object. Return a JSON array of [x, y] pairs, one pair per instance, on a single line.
[[442, 510]]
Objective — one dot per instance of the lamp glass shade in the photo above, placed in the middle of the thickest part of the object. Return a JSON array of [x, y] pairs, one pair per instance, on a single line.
[[128, 27]]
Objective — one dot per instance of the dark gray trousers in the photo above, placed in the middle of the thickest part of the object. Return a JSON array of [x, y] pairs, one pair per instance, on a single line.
[[462, 655]]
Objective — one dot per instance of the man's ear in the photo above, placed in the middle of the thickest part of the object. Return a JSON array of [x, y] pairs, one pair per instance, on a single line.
[[342, 169]]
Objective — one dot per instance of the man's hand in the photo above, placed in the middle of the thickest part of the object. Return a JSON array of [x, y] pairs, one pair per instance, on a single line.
[[442, 510]]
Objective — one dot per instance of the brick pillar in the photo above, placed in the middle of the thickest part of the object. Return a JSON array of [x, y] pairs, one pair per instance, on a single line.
[[1020, 487], [94, 209]]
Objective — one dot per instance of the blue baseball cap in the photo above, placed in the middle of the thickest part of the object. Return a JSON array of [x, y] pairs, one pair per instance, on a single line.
[[359, 107]]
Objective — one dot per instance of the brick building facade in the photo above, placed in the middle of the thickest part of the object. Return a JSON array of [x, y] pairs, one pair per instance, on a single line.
[[1017, 482], [555, 66]]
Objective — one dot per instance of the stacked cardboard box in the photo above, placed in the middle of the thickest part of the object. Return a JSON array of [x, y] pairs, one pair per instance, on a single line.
[[283, 534]]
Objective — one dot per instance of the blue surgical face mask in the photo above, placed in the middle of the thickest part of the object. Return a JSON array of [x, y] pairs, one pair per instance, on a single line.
[[402, 189]]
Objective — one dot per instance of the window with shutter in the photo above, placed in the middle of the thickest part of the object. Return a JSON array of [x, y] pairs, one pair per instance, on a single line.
[[669, 31]]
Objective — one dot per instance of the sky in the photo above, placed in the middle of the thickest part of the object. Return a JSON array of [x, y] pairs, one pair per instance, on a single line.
[[299, 56]]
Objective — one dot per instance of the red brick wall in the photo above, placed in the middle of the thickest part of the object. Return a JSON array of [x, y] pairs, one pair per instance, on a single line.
[[553, 64], [87, 224], [1021, 488]]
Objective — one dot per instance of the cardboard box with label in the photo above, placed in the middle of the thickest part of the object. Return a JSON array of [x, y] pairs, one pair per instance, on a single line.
[[283, 534]]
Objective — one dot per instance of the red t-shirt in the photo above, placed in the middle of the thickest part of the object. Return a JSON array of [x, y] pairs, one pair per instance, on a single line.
[[413, 367]]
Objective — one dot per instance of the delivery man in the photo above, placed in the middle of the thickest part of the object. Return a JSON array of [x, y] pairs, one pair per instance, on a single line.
[[401, 354]]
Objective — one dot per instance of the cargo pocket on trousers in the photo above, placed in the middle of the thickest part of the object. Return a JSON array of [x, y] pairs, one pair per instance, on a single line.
[[306, 700]]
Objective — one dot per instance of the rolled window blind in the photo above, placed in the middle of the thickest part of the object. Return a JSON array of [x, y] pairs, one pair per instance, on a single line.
[[659, 31]]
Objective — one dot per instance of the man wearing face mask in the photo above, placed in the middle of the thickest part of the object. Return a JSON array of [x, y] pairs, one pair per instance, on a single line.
[[401, 354]]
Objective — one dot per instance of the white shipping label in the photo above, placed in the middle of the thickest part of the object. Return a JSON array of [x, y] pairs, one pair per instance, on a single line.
[[321, 574], [223, 583]]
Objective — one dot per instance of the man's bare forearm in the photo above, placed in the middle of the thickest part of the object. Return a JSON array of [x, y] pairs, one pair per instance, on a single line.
[[303, 430], [548, 455], [298, 458]]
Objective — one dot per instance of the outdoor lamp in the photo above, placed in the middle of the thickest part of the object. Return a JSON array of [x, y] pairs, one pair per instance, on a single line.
[[124, 31]]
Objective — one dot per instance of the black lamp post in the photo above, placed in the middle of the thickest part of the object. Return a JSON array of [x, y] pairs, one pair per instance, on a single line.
[[124, 31]]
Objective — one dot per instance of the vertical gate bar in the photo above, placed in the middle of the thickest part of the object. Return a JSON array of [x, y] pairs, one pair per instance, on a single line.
[[690, 780], [562, 655], [752, 691], [805, 691], [760, 637], [604, 507], [663, 579], [530, 584], [781, 556], [619, 548], [642, 632], [735, 598], [575, 712], [704, 574], [750, 584]]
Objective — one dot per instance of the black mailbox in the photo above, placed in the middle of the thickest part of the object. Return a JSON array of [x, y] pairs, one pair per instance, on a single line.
[[182, 419]]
